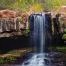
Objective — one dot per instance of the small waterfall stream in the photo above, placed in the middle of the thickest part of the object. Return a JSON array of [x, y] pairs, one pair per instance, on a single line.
[[38, 37]]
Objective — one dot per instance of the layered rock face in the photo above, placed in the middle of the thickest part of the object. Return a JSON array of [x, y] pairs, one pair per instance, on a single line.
[[13, 21]]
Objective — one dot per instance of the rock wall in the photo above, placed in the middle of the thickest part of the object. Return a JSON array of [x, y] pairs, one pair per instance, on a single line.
[[8, 24], [12, 22]]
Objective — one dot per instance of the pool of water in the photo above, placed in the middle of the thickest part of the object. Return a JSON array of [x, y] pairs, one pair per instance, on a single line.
[[38, 59]]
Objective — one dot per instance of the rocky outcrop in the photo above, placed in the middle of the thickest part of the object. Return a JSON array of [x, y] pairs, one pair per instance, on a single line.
[[12, 21]]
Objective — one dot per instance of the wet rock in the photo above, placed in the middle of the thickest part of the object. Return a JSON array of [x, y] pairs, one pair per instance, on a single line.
[[46, 61], [26, 63]]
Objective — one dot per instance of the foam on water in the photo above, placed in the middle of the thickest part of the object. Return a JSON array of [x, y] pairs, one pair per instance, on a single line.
[[38, 60]]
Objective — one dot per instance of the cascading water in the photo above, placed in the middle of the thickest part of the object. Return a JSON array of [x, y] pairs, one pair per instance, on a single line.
[[39, 35]]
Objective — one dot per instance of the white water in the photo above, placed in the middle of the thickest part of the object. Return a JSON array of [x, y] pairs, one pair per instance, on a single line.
[[38, 60]]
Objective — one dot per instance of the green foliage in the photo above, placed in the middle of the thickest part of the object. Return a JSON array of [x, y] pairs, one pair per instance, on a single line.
[[52, 4], [24, 5], [7, 59], [10, 59], [26, 32], [5, 3], [64, 30], [58, 48], [64, 37], [1, 60]]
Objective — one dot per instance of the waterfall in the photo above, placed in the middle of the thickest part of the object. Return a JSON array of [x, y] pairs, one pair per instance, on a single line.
[[40, 27], [39, 33], [41, 30]]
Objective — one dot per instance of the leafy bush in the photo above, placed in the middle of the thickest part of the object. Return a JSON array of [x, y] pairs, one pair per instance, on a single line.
[[1, 60], [64, 30], [7, 60], [64, 36]]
